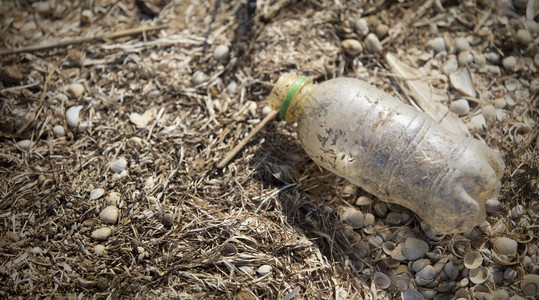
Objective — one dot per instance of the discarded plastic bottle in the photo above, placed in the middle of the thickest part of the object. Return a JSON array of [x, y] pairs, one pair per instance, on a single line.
[[391, 150]]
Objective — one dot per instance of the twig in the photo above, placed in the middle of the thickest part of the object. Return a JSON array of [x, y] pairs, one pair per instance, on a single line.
[[104, 37], [21, 87], [395, 32], [246, 140]]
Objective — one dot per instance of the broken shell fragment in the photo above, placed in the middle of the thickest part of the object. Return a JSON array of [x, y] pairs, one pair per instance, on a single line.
[[473, 260], [462, 82], [479, 275], [72, 115], [381, 280]]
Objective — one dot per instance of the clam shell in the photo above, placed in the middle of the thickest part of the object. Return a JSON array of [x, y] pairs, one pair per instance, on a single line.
[[99, 249], [500, 295], [376, 241], [414, 248], [102, 233], [419, 264], [118, 165], [109, 215], [381, 280], [427, 273], [72, 115], [462, 294], [397, 252], [391, 263], [364, 200], [399, 282], [459, 247], [352, 217], [479, 275], [473, 260], [264, 269], [411, 295], [96, 193], [530, 285], [431, 233], [505, 246], [394, 218], [388, 247]]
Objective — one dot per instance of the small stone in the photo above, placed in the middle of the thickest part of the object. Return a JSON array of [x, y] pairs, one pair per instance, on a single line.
[[99, 249], [489, 111], [264, 270], [493, 57], [75, 90], [25, 144], [86, 16], [59, 131], [524, 36], [500, 103], [168, 219], [221, 52], [373, 44], [72, 115], [363, 201], [382, 30], [450, 65], [109, 215], [462, 44], [438, 44], [493, 206], [231, 87], [362, 27], [101, 234], [465, 58], [477, 123], [96, 193], [229, 249], [460, 107], [509, 63], [266, 110], [118, 165], [199, 77], [352, 47]]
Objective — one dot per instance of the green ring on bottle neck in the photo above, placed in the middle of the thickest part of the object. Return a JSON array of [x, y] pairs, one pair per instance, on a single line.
[[291, 92]]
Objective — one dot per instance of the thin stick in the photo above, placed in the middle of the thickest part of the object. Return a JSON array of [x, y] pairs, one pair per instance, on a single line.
[[104, 37], [246, 140]]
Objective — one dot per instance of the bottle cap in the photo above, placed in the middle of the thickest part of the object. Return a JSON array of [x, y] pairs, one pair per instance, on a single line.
[[284, 91]]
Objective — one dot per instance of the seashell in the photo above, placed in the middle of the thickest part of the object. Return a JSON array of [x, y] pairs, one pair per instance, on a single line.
[[477, 123], [463, 294], [462, 44], [405, 217], [431, 233], [461, 107], [505, 246], [493, 206], [376, 241], [231, 87], [427, 273], [510, 274], [512, 84], [369, 219], [380, 208], [141, 121], [420, 281], [381, 280], [118, 165], [509, 63], [438, 44], [394, 218], [473, 260], [25, 144], [221, 52], [102, 233], [87, 284], [459, 247], [352, 217], [445, 287], [352, 47], [428, 294], [500, 295], [245, 294], [96, 193], [72, 115], [198, 78], [373, 43], [247, 270], [530, 285], [419, 264], [58, 131], [399, 282], [99, 249], [362, 27], [391, 263], [414, 248], [479, 275], [113, 198], [75, 89], [264, 270], [388, 247], [517, 211], [266, 110], [363, 201], [482, 296], [462, 82], [109, 215]]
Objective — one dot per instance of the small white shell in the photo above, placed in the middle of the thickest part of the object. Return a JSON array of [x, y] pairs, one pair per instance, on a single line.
[[352, 216], [373, 43], [352, 47], [99, 249], [500, 295], [505, 246], [118, 165], [102, 233], [109, 215], [414, 248], [113, 198], [473, 260], [72, 115], [363, 201], [221, 52], [264, 269], [25, 144], [381, 280], [58, 131], [462, 82], [530, 285], [198, 78], [479, 275], [96, 193], [75, 89]]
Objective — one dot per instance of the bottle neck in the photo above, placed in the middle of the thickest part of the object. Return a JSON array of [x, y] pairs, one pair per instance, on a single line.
[[289, 96]]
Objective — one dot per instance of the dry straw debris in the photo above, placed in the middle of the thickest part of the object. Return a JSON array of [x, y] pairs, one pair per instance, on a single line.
[[266, 225]]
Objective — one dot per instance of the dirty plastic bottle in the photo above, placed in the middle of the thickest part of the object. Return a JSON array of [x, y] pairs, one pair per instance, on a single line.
[[391, 150]]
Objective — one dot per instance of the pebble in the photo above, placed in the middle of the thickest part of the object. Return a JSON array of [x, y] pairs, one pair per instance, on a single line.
[[462, 44], [221, 52], [492, 57], [109, 215], [352, 47], [438, 44], [198, 78], [75, 89], [168, 219], [460, 107], [72, 115], [86, 16], [96, 193], [524, 36], [25, 144], [509, 63], [500, 103], [465, 58], [58, 131], [266, 110], [29, 26], [118, 165], [480, 59], [264, 269], [450, 65], [489, 111], [477, 123], [362, 27], [364, 200], [99, 249], [231, 87], [382, 30], [373, 44], [101, 234]]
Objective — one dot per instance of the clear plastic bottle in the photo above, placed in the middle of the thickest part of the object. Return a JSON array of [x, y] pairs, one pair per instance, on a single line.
[[391, 150]]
